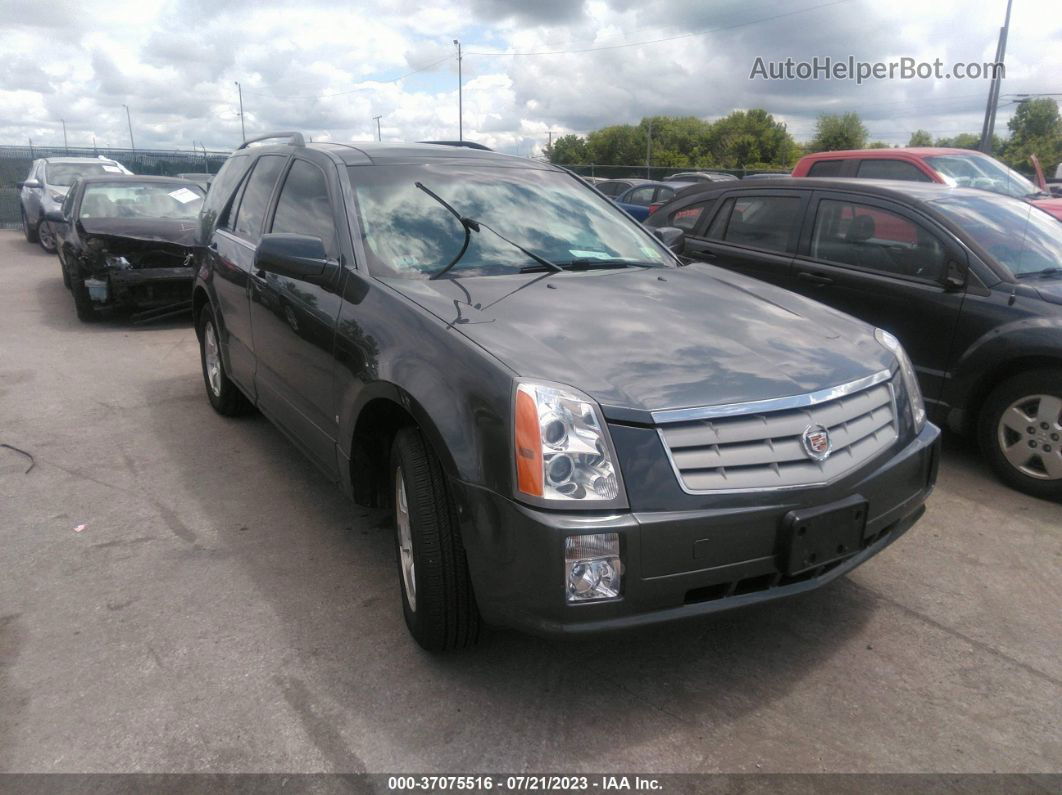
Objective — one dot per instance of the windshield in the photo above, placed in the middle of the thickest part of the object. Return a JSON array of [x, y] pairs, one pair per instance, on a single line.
[[410, 235], [63, 174], [141, 200], [986, 173], [1020, 236]]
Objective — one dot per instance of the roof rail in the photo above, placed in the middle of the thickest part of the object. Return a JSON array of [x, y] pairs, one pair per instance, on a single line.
[[294, 138], [467, 144]]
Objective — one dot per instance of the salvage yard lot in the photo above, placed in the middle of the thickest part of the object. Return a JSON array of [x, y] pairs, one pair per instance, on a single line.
[[223, 609]]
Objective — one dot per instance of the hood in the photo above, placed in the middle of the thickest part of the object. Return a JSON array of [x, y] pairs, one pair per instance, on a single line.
[[1052, 206], [184, 232], [648, 340], [1050, 290]]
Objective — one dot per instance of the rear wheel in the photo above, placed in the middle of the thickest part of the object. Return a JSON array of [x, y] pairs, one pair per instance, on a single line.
[[223, 394], [437, 599], [1021, 432], [28, 231], [46, 236]]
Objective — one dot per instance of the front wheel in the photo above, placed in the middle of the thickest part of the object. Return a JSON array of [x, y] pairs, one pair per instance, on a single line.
[[437, 599], [1021, 432], [46, 236], [223, 394]]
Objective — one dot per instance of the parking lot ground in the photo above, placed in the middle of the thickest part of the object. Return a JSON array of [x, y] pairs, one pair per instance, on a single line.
[[223, 609]]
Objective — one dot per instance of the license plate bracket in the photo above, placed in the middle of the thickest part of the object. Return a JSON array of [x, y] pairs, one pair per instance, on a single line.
[[821, 535]]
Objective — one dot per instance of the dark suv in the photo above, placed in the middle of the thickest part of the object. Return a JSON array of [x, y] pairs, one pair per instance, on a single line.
[[969, 281], [574, 431]]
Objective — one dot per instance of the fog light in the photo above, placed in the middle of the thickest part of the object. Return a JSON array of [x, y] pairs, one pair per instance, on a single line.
[[593, 567]]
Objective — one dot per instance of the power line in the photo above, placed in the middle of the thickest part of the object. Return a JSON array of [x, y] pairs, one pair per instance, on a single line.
[[667, 38]]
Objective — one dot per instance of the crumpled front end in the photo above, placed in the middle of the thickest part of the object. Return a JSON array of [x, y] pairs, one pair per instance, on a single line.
[[132, 273]]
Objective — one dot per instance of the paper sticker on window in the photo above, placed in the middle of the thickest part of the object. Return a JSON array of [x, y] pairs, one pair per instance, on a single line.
[[183, 195], [112, 169], [589, 254], [690, 213]]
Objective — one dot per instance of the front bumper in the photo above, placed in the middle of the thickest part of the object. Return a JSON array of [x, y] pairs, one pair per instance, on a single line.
[[677, 564], [145, 287]]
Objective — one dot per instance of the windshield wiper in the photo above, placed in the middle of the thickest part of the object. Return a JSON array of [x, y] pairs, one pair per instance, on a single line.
[[1052, 271], [472, 225], [594, 263]]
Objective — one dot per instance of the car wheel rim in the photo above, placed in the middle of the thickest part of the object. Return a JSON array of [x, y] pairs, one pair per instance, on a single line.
[[405, 541], [211, 359], [1030, 436], [44, 233]]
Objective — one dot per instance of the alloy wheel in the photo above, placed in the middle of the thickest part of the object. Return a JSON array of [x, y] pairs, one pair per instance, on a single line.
[[405, 541], [212, 359], [1029, 435]]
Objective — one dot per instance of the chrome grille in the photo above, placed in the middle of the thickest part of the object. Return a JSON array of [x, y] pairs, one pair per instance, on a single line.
[[758, 445]]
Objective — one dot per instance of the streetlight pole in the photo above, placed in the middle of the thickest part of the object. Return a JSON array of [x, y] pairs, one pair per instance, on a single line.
[[129, 119], [379, 137], [989, 126], [67, 148], [460, 97], [243, 129]]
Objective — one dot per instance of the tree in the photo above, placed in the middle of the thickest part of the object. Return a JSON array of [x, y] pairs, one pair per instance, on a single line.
[[1036, 129], [920, 138], [833, 132], [751, 138], [568, 150], [878, 145]]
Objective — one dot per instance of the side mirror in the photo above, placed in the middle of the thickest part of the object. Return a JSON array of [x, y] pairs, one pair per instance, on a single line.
[[296, 256], [55, 216], [30, 183], [671, 236], [954, 275]]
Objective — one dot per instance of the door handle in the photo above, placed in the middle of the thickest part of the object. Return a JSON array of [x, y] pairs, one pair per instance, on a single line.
[[814, 278]]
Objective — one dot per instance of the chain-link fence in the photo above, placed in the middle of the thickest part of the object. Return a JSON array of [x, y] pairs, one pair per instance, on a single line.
[[15, 164], [657, 172]]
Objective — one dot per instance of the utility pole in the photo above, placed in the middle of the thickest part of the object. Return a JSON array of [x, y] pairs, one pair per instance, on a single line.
[[67, 148], [129, 119], [460, 97], [31, 150], [549, 146], [243, 129], [648, 148], [379, 137], [989, 126]]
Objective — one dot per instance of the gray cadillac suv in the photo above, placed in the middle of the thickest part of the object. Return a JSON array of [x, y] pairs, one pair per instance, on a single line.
[[575, 431]]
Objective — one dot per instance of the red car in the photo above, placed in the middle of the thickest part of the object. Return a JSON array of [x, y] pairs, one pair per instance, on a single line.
[[963, 167]]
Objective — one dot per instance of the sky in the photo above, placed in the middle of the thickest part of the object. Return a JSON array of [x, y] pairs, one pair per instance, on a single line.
[[327, 68]]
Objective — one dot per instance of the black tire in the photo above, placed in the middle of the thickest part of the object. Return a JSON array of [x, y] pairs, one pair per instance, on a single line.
[[225, 396], [1043, 444], [29, 232], [445, 615], [45, 236], [86, 312]]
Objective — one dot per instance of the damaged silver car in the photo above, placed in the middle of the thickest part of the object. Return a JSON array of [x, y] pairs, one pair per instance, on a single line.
[[128, 242]]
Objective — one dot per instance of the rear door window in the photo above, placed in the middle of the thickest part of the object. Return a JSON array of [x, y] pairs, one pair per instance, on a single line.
[[764, 222], [688, 217], [826, 168], [882, 168], [255, 201], [641, 196]]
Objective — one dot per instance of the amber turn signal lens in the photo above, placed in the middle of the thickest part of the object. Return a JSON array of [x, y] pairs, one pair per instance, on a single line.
[[528, 446]]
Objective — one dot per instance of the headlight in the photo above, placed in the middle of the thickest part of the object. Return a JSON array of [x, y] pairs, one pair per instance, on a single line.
[[910, 379], [562, 450]]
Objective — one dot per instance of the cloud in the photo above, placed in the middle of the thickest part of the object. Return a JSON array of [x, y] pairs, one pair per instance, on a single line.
[[328, 66]]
